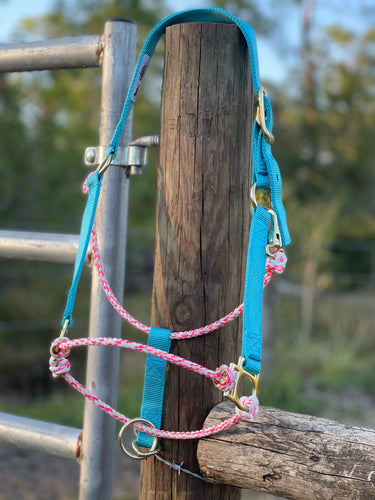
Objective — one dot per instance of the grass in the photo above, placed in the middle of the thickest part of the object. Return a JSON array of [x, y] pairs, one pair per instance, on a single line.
[[337, 359]]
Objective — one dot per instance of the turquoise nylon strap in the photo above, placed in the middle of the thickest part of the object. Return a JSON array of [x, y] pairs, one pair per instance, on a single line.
[[213, 14], [194, 15], [153, 391], [253, 296], [93, 183], [266, 171]]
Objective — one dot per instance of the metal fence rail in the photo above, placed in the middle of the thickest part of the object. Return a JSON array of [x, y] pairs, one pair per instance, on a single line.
[[44, 247], [62, 53], [115, 52], [37, 435]]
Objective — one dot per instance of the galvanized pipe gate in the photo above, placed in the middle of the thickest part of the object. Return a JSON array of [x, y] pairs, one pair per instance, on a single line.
[[115, 52]]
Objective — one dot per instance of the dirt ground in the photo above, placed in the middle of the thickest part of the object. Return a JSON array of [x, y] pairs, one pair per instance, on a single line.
[[30, 475]]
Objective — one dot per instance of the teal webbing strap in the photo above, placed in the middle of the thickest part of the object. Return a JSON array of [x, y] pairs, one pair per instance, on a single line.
[[266, 172], [93, 183], [253, 296], [153, 391], [213, 14]]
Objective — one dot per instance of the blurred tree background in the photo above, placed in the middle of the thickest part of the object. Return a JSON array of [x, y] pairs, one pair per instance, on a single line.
[[322, 309]]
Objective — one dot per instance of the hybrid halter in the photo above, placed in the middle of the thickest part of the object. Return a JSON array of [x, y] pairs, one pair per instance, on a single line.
[[268, 234]]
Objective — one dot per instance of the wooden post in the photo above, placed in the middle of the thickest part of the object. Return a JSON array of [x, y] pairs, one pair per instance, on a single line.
[[291, 455], [203, 220]]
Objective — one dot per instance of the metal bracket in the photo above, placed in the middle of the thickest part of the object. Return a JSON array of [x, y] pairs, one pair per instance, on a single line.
[[132, 157]]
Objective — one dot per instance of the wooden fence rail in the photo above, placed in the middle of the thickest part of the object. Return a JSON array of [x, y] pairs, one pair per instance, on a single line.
[[291, 455]]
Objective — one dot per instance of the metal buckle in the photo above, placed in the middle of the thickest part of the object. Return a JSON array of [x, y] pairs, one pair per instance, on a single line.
[[261, 117], [233, 394], [138, 455], [274, 235]]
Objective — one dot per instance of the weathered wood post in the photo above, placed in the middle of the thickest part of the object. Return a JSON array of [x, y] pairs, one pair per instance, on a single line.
[[295, 456], [203, 220]]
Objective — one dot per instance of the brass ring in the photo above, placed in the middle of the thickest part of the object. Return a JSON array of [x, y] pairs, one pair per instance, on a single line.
[[138, 455]]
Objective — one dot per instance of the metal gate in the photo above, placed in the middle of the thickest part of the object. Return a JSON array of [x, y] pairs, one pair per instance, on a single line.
[[114, 51]]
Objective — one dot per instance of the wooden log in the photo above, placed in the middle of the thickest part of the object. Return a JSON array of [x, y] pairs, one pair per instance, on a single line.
[[291, 455], [203, 219]]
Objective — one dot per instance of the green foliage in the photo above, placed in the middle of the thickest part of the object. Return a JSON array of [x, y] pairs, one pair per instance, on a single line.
[[317, 374]]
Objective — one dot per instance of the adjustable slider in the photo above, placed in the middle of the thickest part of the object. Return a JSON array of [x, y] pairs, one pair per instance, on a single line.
[[233, 394]]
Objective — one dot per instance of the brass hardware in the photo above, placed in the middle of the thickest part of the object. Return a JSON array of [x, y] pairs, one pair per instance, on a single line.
[[261, 117], [138, 455], [233, 394]]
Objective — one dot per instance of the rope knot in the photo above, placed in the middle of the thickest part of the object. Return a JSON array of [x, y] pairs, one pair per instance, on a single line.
[[277, 263], [59, 365], [225, 378], [252, 403]]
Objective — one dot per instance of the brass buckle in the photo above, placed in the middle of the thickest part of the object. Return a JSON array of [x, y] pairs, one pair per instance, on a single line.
[[261, 117], [233, 394], [138, 455]]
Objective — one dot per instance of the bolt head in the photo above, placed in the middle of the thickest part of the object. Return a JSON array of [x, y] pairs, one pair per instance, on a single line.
[[90, 155]]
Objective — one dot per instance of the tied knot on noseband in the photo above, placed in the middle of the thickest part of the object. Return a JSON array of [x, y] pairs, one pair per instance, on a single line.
[[252, 404], [58, 364], [225, 378], [277, 263]]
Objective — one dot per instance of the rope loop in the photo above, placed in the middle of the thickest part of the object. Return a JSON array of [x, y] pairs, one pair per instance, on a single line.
[[225, 378], [252, 404], [59, 347]]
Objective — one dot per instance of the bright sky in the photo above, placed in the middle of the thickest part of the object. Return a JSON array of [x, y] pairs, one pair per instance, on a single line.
[[12, 11], [272, 66]]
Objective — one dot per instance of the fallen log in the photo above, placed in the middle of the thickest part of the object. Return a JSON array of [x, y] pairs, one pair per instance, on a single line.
[[290, 455]]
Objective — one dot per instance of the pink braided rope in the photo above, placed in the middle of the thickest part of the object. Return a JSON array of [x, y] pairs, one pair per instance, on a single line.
[[59, 366], [276, 264], [143, 428], [224, 378], [66, 344]]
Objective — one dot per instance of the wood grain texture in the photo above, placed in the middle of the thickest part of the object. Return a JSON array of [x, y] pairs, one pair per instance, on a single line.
[[291, 455], [203, 220]]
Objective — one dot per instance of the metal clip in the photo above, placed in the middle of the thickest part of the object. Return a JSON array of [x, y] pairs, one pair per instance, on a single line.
[[253, 197], [104, 165], [65, 328], [138, 455], [274, 235], [261, 117], [233, 394]]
